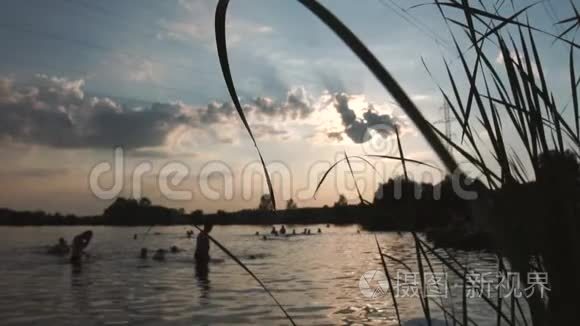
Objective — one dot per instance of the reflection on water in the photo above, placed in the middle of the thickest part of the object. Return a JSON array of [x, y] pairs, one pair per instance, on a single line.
[[315, 277], [202, 276]]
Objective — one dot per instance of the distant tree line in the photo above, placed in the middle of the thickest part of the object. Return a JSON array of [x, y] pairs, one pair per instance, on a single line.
[[414, 205], [398, 205]]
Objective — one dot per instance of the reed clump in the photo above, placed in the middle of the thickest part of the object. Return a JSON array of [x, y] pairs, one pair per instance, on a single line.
[[528, 184]]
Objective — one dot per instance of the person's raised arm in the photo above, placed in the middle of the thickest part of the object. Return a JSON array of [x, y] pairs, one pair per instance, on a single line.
[[85, 238]]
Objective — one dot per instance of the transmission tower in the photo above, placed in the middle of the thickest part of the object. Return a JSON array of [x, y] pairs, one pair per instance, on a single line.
[[447, 120]]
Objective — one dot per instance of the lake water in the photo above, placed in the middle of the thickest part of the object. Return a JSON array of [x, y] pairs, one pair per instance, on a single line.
[[316, 278]]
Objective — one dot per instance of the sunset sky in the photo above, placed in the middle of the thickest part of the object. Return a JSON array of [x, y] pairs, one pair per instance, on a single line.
[[79, 78]]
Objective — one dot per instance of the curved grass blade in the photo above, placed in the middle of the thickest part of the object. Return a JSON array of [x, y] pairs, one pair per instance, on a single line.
[[432, 270], [408, 160], [370, 164], [464, 299], [462, 275], [384, 77], [402, 263], [324, 176], [479, 164], [401, 153], [220, 37], [390, 281], [450, 314], [362, 200], [574, 92], [478, 12], [424, 301], [509, 20], [335, 164], [242, 265]]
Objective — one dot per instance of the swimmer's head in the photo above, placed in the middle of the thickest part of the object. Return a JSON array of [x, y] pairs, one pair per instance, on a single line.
[[207, 227]]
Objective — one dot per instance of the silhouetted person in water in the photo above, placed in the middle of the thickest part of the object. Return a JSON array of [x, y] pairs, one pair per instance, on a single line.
[[159, 255], [319, 230], [61, 248], [308, 232], [202, 246], [294, 231], [202, 253], [80, 242], [274, 232], [143, 253], [135, 236], [282, 230], [174, 249]]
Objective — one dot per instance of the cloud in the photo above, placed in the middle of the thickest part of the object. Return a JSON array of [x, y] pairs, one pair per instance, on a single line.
[[297, 105], [55, 112], [216, 112], [335, 135], [357, 129]]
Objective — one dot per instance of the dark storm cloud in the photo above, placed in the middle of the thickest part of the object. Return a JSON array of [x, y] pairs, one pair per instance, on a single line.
[[335, 135], [216, 112], [56, 112], [295, 106], [357, 129]]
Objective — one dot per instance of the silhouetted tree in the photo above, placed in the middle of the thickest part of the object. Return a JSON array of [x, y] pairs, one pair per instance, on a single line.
[[266, 203], [290, 204], [342, 202], [145, 202], [131, 212]]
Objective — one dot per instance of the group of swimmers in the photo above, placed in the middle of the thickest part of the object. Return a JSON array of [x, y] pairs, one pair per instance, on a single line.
[[282, 232], [201, 249], [81, 241], [76, 248], [159, 253]]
